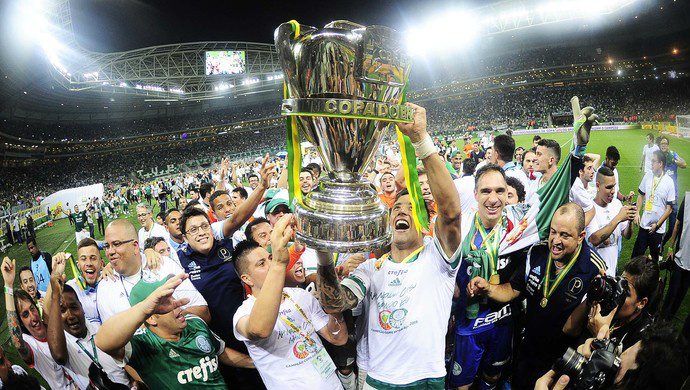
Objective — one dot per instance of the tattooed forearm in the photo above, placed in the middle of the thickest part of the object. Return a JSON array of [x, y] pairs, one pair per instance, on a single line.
[[333, 297], [16, 335]]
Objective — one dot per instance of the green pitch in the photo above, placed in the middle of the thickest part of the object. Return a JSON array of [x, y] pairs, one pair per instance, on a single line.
[[60, 237]]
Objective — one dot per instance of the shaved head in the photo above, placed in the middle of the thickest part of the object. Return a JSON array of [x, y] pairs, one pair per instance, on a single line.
[[126, 226], [576, 212]]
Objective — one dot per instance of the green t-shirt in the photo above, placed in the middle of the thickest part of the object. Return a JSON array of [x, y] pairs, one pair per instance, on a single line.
[[191, 362], [79, 220], [147, 190]]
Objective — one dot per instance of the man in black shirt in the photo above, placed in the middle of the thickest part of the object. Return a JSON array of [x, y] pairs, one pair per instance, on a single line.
[[557, 276]]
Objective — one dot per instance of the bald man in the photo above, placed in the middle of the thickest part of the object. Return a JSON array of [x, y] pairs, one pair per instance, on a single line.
[[129, 265], [555, 282]]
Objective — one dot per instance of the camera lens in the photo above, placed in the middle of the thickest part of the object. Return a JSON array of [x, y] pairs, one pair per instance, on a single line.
[[570, 364]]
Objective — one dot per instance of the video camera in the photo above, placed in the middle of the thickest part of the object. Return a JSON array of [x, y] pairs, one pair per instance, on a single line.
[[597, 372], [609, 292]]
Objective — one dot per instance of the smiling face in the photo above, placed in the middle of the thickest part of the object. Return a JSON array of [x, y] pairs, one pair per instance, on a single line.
[[545, 159], [89, 263], [172, 323], [27, 282], [606, 188], [426, 189], [253, 182], [31, 319], [144, 217], [223, 207], [457, 162], [72, 315], [258, 263], [404, 234], [306, 182], [564, 238], [491, 196], [198, 234], [123, 257], [663, 145]]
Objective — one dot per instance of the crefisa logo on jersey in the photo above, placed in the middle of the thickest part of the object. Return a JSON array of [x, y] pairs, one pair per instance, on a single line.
[[202, 371]]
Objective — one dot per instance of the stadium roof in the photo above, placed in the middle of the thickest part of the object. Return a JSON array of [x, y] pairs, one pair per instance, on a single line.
[[134, 68]]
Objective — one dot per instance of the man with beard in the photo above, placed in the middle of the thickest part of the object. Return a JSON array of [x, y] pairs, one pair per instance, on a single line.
[[388, 190], [456, 161], [71, 339], [555, 281], [406, 340], [41, 263], [28, 332], [611, 221], [27, 282]]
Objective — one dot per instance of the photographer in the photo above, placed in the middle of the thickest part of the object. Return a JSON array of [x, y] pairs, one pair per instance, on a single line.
[[629, 321], [658, 361]]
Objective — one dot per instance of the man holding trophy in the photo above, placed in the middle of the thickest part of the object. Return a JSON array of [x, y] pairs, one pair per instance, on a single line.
[[345, 84]]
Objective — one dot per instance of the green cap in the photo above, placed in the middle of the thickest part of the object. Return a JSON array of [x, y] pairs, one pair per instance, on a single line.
[[270, 193], [455, 153], [144, 288], [275, 202]]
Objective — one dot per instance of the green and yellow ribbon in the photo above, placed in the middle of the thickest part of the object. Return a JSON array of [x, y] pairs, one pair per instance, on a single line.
[[409, 165], [77, 274], [294, 147], [548, 291]]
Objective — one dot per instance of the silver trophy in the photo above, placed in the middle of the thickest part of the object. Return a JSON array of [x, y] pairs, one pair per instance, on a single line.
[[345, 84]]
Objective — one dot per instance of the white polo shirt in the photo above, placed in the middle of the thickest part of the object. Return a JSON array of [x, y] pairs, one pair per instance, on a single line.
[[663, 192], [608, 250], [465, 187], [80, 350], [581, 196], [156, 231], [647, 152], [113, 296]]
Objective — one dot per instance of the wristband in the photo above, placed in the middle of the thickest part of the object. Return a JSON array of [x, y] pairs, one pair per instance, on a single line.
[[9, 291], [425, 147]]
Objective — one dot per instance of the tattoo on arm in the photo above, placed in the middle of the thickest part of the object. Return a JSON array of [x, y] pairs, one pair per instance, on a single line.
[[16, 334], [333, 296]]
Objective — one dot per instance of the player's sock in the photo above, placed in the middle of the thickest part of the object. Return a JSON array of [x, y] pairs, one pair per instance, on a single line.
[[349, 381]]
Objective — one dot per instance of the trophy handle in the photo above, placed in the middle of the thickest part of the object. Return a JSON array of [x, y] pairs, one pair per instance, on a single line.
[[284, 37]]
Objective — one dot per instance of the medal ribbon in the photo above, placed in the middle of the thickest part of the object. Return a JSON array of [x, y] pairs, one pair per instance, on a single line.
[[549, 291], [94, 357], [406, 260], [490, 242], [655, 184], [294, 148], [294, 327]]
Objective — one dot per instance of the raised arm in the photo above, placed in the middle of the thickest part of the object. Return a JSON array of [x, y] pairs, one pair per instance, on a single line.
[[334, 297], [56, 334], [8, 274], [245, 211], [224, 167], [260, 322], [116, 332], [442, 188], [626, 213]]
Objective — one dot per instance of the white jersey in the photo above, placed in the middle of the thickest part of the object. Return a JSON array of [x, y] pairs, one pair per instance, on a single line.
[[286, 360], [156, 231], [659, 192], [465, 187], [58, 377], [80, 352], [581, 196], [113, 296], [310, 259], [647, 152], [608, 250], [409, 307], [684, 239]]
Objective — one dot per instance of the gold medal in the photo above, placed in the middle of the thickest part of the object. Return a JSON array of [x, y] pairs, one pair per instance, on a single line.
[[543, 303], [495, 279]]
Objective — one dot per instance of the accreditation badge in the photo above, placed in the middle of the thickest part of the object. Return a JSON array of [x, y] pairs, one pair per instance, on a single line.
[[649, 204], [323, 364]]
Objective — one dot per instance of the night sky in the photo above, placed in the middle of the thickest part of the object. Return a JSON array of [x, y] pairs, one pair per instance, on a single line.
[[117, 25]]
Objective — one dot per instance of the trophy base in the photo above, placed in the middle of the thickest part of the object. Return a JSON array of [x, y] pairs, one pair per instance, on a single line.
[[343, 217]]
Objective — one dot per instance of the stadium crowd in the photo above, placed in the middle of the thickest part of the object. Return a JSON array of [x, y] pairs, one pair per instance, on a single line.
[[519, 262]]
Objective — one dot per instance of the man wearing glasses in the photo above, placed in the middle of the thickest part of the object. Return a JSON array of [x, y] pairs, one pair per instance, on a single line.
[[149, 228], [123, 250]]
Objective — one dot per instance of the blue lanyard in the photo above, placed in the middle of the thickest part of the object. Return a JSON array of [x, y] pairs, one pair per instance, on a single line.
[[141, 276]]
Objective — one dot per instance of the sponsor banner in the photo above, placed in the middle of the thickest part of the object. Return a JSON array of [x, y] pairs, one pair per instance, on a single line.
[[570, 129]]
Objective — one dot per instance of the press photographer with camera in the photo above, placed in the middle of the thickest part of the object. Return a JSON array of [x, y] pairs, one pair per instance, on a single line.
[[628, 320], [658, 361]]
